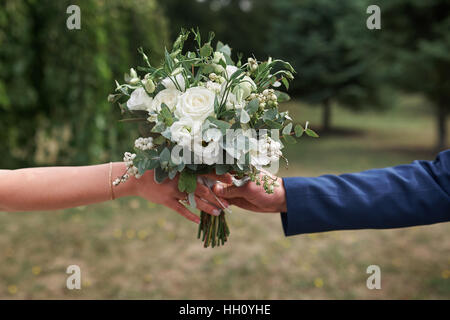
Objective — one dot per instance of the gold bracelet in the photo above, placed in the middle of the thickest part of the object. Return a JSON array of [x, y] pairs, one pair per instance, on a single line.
[[111, 188]]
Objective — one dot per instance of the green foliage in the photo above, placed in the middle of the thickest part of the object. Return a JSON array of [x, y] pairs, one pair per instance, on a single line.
[[331, 46], [53, 81], [187, 182], [417, 44]]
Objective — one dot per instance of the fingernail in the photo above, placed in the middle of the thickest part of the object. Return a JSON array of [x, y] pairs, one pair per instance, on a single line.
[[216, 212], [219, 189]]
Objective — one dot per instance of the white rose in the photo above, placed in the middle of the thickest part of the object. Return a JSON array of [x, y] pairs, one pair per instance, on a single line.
[[139, 100], [169, 82], [196, 103], [167, 96]]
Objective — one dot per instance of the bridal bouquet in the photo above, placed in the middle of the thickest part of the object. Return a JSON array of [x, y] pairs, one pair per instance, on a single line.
[[199, 112]]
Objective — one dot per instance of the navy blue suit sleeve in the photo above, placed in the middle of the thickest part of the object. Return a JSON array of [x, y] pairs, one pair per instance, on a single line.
[[401, 196]]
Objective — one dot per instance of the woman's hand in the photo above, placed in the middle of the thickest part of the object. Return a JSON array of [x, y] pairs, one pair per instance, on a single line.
[[167, 194]]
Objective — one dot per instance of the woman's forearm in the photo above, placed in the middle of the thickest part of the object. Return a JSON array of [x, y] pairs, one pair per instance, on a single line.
[[60, 187]]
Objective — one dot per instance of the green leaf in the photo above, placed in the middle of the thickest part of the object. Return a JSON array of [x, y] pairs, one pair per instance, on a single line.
[[285, 82], [224, 48], [160, 175], [166, 115], [187, 182], [142, 165], [287, 129], [159, 140], [221, 125], [221, 169], [298, 131], [164, 157], [168, 60], [270, 114], [311, 133], [244, 118], [252, 106], [206, 50], [289, 139], [272, 124], [159, 127], [282, 96], [172, 173], [216, 105]]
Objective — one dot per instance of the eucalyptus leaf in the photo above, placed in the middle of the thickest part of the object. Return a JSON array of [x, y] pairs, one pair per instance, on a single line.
[[311, 133], [272, 124], [298, 131], [252, 106], [160, 175], [289, 139], [287, 129], [244, 118], [282, 96], [187, 181], [164, 157]]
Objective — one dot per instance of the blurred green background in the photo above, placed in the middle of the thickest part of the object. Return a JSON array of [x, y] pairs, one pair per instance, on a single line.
[[377, 98]]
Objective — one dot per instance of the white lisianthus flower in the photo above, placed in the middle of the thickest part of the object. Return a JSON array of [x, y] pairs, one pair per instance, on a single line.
[[169, 82], [196, 103], [149, 85], [210, 153], [183, 131], [246, 85], [233, 102], [133, 77], [230, 70], [218, 56], [139, 100], [167, 96]]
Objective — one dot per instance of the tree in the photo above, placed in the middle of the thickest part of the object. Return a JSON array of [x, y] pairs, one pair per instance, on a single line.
[[332, 50], [54, 82], [417, 40]]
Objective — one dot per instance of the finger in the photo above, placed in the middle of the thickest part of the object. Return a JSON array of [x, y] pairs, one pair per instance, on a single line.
[[180, 195], [228, 192], [204, 205], [181, 209], [225, 178], [205, 193]]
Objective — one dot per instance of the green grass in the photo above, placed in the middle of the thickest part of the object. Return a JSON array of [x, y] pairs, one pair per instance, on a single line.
[[132, 249]]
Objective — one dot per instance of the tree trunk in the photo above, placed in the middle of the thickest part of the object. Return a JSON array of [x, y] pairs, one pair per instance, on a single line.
[[441, 127], [326, 116]]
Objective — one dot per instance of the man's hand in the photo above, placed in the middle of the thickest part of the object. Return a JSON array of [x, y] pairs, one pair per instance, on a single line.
[[253, 197]]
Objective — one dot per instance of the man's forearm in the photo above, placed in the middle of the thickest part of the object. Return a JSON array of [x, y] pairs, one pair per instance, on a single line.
[[402, 196], [60, 187]]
